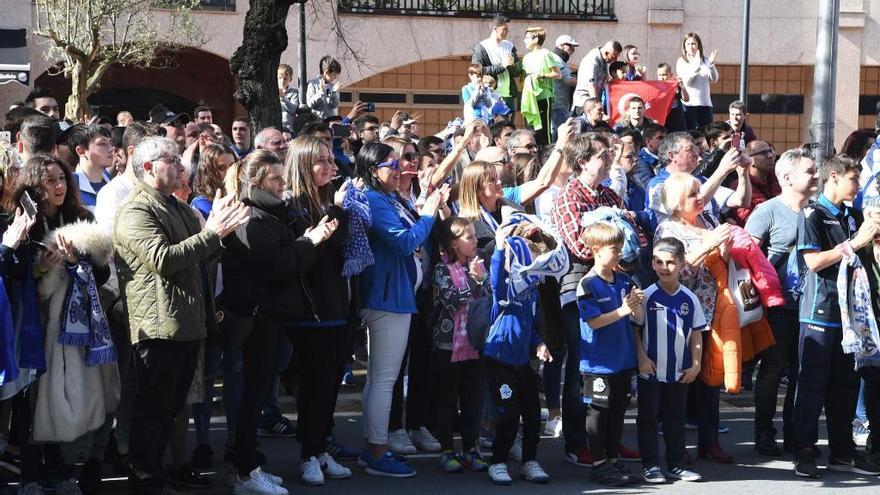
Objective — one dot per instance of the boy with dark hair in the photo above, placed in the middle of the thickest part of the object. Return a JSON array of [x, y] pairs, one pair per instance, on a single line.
[[828, 231], [649, 154], [95, 156], [606, 299], [669, 353], [43, 101]]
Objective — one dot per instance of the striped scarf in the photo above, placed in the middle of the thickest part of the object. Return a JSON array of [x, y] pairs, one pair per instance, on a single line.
[[860, 332]]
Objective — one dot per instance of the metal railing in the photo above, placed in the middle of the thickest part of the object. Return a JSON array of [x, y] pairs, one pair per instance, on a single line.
[[587, 10], [219, 5]]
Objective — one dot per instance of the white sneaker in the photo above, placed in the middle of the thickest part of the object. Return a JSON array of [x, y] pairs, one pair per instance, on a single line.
[[275, 480], [515, 453], [311, 472], [553, 427], [424, 440], [499, 475], [333, 469], [399, 443], [532, 471], [257, 484]]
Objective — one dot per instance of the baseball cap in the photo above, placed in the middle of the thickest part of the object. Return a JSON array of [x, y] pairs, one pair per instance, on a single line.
[[161, 115], [566, 40], [62, 130]]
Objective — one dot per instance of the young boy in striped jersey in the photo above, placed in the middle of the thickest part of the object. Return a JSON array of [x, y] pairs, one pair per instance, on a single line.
[[669, 358]]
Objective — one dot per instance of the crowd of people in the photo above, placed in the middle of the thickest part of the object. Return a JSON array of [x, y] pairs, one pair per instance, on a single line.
[[583, 260]]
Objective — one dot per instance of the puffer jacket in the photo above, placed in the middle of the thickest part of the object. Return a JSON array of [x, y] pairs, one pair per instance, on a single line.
[[262, 274], [728, 345], [748, 255], [160, 250]]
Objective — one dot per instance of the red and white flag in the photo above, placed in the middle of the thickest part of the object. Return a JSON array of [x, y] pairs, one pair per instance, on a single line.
[[658, 96]]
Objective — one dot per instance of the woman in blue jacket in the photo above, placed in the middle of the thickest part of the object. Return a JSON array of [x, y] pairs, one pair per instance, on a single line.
[[397, 238]]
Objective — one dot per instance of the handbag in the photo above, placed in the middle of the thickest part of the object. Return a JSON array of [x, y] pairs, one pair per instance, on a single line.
[[479, 321], [745, 297]]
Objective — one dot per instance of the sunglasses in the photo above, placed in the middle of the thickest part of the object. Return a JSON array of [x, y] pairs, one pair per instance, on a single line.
[[410, 157], [393, 165]]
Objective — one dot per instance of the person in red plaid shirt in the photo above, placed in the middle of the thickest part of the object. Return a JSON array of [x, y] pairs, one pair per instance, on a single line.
[[589, 155]]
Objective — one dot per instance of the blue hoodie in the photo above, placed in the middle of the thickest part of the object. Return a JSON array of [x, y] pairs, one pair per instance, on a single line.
[[513, 336], [388, 285]]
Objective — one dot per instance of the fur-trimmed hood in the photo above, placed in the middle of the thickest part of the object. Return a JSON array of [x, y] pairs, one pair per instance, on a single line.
[[89, 239]]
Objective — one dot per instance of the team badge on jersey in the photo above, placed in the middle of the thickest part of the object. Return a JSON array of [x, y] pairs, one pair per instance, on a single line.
[[599, 385], [685, 309]]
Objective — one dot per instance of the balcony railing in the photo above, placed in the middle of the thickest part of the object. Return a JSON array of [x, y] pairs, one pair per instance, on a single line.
[[587, 10], [218, 5]]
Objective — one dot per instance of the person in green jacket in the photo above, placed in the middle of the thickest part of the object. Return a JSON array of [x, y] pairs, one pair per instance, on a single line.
[[161, 254], [538, 87]]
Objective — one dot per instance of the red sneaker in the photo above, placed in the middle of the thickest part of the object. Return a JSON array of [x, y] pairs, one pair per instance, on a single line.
[[581, 457], [628, 455]]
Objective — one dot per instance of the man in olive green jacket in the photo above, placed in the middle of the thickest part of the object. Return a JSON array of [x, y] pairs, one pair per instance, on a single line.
[[161, 251]]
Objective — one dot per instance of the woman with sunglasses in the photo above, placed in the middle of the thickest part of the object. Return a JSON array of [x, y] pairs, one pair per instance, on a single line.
[[398, 236], [415, 435]]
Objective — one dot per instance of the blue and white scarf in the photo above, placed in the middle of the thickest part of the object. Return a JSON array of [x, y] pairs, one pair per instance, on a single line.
[[860, 332], [356, 247], [525, 272], [83, 321]]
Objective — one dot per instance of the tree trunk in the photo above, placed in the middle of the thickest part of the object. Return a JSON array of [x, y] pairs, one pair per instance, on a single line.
[[255, 62], [77, 103]]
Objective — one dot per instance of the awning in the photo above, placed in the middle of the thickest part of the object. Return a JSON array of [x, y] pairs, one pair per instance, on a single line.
[[14, 65]]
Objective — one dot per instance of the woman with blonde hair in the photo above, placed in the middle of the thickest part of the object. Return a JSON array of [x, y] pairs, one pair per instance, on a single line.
[[705, 242], [262, 277], [320, 334], [481, 199]]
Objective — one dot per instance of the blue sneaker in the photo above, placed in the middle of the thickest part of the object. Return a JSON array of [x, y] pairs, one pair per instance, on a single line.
[[364, 458], [388, 466], [339, 451]]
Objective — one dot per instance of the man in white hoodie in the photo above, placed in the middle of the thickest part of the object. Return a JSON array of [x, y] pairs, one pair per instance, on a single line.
[[498, 57]]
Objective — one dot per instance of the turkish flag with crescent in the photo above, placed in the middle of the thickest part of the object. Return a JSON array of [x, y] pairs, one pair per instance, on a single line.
[[658, 96]]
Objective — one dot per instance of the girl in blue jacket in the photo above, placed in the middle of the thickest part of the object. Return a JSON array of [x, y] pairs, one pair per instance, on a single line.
[[397, 238], [523, 255]]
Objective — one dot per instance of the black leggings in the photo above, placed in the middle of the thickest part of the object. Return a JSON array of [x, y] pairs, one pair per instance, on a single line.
[[514, 392], [318, 353], [605, 424], [456, 383]]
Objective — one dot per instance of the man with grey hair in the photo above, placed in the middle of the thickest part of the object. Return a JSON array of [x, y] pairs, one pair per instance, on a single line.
[[593, 72], [271, 139], [522, 141], [679, 153], [161, 251], [773, 225]]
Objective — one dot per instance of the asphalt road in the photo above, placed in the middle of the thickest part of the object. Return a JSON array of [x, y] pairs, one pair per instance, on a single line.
[[751, 472]]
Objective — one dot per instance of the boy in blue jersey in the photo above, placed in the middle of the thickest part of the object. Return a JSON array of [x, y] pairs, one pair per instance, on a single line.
[[669, 358], [606, 300], [828, 229]]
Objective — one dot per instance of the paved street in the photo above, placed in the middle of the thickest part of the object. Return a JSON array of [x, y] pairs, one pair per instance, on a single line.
[[751, 473]]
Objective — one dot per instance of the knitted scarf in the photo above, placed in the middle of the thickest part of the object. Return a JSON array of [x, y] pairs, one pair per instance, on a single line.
[[860, 333], [84, 323], [356, 247], [462, 350]]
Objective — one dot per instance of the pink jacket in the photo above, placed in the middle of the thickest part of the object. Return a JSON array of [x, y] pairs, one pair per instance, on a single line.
[[748, 255]]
